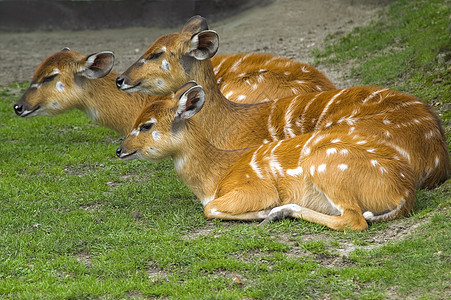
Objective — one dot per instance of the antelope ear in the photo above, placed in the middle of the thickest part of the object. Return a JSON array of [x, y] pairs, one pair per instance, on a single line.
[[190, 102], [98, 65], [195, 24], [204, 45]]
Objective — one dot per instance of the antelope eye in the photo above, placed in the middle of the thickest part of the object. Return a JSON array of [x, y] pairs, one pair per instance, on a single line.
[[145, 126], [155, 55], [49, 78]]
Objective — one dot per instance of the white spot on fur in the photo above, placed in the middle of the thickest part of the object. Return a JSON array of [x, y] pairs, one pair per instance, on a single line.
[[134, 132], [331, 151], [342, 167], [312, 170], [304, 69], [386, 121], [295, 172], [254, 164], [344, 151], [361, 142], [213, 211], [321, 168], [383, 170], [336, 140], [229, 94], [35, 85], [371, 150], [429, 134], [374, 162], [241, 97], [437, 161]]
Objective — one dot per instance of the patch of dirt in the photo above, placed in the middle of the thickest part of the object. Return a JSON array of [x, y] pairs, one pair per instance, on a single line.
[[290, 28]]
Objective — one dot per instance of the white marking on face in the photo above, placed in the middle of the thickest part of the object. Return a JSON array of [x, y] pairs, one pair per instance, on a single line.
[[60, 86], [134, 132], [156, 135], [342, 167], [35, 85], [163, 48], [295, 172], [165, 65], [241, 97], [321, 168], [331, 151], [142, 61], [312, 170], [402, 175]]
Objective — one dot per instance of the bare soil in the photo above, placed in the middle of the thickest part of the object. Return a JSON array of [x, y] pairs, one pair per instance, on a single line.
[[290, 28]]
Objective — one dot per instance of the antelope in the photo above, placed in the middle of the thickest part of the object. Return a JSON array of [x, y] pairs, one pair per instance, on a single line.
[[68, 79], [324, 177], [399, 120]]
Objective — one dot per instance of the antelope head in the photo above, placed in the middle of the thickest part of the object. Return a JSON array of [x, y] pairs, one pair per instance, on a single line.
[[171, 60], [58, 82]]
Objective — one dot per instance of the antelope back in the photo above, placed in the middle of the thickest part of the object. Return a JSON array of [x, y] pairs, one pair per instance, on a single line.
[[58, 82], [399, 120]]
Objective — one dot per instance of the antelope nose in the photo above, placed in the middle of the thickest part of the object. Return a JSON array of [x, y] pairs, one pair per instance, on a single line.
[[118, 152], [18, 109], [119, 82]]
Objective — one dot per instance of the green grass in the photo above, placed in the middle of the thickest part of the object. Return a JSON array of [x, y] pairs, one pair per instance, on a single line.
[[77, 223]]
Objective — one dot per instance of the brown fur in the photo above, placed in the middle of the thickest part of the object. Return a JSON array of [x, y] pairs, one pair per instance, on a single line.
[[247, 184], [399, 120], [118, 110]]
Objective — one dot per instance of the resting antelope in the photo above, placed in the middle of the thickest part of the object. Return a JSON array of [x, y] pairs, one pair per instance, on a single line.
[[400, 121], [326, 177], [68, 79]]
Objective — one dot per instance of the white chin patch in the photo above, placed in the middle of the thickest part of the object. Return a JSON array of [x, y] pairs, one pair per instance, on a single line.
[[60, 86]]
